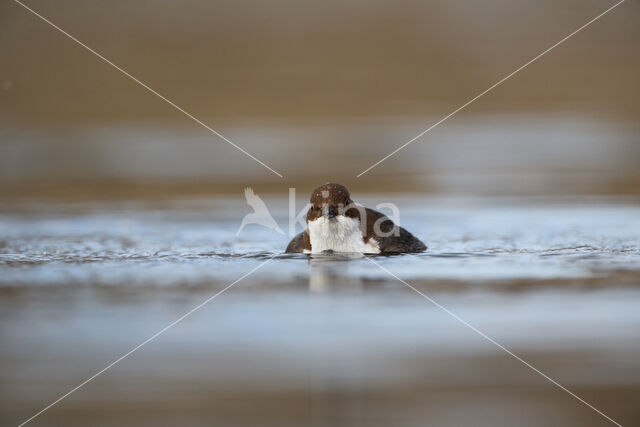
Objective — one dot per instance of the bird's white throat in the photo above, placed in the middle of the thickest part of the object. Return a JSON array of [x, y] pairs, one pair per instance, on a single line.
[[340, 234]]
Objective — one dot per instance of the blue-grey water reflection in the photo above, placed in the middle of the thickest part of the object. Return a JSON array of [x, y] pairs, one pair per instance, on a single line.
[[333, 337]]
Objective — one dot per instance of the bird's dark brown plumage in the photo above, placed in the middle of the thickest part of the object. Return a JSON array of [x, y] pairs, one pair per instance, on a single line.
[[335, 198]]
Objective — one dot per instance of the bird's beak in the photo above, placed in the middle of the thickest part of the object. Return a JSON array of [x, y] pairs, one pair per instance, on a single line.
[[329, 211]]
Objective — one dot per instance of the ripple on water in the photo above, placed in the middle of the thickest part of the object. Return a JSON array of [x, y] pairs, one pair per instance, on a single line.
[[145, 244]]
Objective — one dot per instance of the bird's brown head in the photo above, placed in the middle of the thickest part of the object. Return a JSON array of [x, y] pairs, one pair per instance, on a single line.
[[328, 200]]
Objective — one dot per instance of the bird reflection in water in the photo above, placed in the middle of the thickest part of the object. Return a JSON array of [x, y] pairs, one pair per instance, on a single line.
[[329, 272]]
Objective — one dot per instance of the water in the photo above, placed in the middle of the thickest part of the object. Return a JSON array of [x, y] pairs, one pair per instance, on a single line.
[[326, 340]]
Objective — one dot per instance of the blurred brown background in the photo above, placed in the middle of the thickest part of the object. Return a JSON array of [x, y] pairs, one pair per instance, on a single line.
[[319, 91]]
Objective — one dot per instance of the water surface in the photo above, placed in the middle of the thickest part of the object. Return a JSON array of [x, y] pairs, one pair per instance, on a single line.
[[326, 340]]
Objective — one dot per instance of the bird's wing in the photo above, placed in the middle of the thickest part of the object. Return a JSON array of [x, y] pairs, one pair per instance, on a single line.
[[248, 193], [299, 243], [399, 241], [255, 202]]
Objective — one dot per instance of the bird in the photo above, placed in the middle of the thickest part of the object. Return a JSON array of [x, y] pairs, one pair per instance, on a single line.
[[260, 214], [336, 224]]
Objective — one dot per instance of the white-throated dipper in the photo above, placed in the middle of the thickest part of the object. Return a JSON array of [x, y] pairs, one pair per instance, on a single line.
[[335, 223]]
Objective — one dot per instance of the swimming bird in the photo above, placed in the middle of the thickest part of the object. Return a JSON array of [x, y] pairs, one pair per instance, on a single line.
[[335, 223], [260, 214]]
